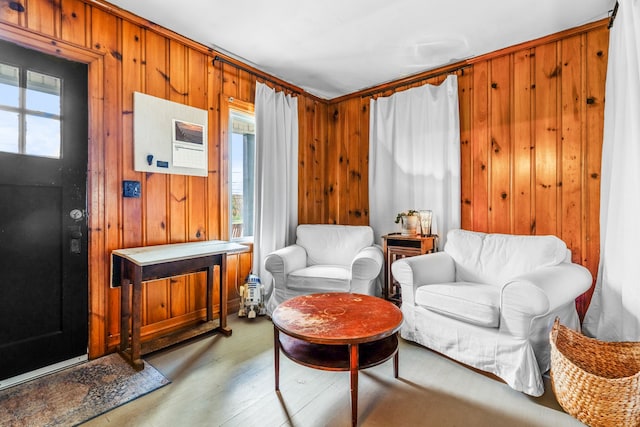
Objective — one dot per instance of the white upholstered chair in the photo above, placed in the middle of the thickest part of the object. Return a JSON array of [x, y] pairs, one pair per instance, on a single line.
[[490, 300], [325, 258]]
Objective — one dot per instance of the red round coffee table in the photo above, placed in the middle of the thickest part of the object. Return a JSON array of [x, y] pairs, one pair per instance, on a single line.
[[337, 332]]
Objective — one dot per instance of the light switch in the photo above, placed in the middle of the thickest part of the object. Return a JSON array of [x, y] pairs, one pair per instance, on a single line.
[[130, 188]]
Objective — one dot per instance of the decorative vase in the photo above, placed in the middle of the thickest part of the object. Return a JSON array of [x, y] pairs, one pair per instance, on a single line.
[[409, 225], [425, 222]]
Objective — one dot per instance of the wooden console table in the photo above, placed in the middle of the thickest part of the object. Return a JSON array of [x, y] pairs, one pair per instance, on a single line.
[[130, 267], [396, 246]]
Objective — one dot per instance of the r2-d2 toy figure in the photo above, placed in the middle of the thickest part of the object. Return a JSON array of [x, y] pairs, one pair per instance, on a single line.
[[252, 298]]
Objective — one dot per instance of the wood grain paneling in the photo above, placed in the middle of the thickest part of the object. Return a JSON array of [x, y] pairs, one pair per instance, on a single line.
[[348, 164], [465, 85], [595, 70], [500, 172], [571, 147], [73, 25], [545, 127], [313, 162], [523, 148], [480, 167]]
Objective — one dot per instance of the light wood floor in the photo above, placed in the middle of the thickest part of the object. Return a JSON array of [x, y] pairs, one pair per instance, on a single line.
[[229, 381]]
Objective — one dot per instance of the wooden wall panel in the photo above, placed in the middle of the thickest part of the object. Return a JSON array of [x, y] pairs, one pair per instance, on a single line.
[[132, 235], [595, 64], [465, 80], [334, 167], [571, 92], [347, 170], [214, 184], [312, 171], [73, 26], [500, 196], [106, 43], [523, 154], [10, 15], [361, 171], [547, 71], [531, 120], [480, 140], [41, 17]]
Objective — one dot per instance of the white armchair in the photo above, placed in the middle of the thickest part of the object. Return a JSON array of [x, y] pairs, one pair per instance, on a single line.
[[489, 301], [325, 258]]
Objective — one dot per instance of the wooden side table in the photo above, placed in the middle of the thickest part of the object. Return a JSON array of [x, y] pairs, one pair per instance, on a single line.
[[396, 246]]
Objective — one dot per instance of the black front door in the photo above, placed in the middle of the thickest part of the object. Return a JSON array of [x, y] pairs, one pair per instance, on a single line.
[[43, 226]]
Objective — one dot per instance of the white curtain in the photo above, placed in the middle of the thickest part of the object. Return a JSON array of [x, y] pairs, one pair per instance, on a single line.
[[276, 175], [614, 313], [414, 157]]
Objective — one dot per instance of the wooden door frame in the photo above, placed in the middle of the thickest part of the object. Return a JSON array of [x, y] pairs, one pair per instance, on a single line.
[[98, 274]]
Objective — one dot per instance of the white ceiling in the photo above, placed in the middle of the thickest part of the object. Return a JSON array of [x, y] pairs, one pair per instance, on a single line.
[[332, 48]]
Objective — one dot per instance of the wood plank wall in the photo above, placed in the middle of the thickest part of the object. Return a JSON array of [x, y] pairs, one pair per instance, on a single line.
[[531, 138], [128, 54], [531, 135]]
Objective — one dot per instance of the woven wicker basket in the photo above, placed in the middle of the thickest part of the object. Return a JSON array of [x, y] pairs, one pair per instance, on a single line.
[[595, 381]]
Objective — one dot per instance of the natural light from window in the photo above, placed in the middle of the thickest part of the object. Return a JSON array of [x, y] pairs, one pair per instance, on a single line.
[[30, 112], [242, 157]]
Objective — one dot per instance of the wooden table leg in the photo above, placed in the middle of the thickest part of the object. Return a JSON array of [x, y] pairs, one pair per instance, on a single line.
[[353, 370], [125, 314], [396, 364], [223, 296], [136, 321], [210, 293], [276, 356]]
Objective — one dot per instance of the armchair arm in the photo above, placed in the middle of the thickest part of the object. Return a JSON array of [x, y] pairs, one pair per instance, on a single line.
[[420, 270], [283, 261], [540, 292], [367, 263]]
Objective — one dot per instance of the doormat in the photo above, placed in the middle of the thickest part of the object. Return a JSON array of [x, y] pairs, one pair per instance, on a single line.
[[77, 394]]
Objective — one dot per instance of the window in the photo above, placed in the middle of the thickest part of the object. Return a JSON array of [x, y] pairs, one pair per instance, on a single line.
[[242, 148], [30, 112]]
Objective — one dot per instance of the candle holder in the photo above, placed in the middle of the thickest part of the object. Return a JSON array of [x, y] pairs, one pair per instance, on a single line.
[[425, 222]]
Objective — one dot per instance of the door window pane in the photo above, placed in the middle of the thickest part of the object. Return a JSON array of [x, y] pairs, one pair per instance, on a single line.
[[30, 110], [9, 85], [43, 93], [42, 136]]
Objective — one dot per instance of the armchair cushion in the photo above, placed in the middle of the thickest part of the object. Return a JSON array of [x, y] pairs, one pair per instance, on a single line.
[[322, 278], [496, 258], [328, 244], [470, 302]]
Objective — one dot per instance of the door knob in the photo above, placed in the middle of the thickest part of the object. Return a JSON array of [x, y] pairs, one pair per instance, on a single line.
[[76, 214]]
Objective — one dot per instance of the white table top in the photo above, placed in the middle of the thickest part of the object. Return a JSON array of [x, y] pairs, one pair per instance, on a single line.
[[149, 255]]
